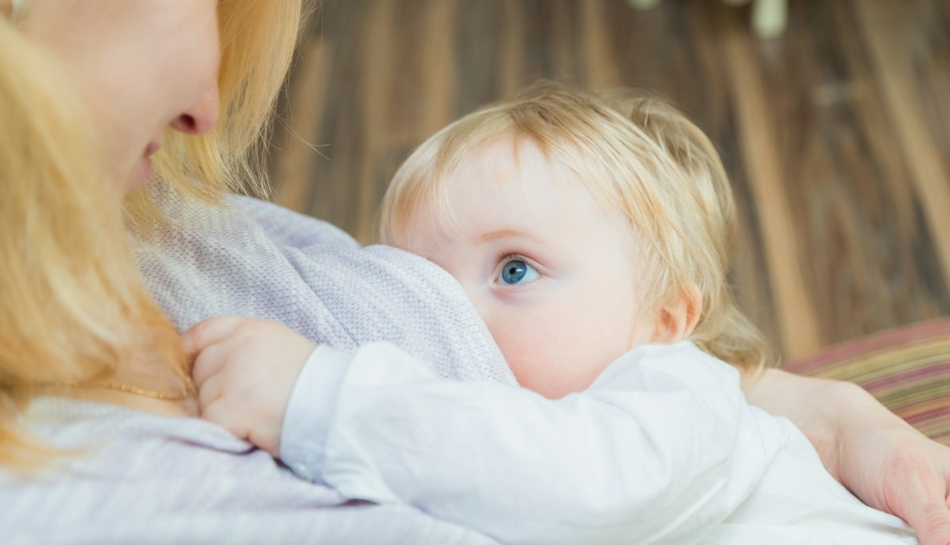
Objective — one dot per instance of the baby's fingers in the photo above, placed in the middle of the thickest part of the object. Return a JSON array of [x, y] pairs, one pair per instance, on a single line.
[[921, 501], [932, 525], [209, 363], [210, 391], [208, 332]]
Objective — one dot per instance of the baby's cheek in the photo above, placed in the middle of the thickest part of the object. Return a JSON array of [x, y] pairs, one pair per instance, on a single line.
[[525, 355], [543, 361], [533, 372]]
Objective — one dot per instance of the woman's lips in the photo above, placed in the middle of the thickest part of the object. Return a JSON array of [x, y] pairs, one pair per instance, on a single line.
[[147, 162], [146, 169]]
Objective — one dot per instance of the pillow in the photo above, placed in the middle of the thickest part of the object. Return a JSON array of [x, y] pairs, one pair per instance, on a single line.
[[906, 369]]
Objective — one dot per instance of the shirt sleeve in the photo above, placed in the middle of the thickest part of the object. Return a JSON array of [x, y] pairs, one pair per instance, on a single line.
[[659, 449]]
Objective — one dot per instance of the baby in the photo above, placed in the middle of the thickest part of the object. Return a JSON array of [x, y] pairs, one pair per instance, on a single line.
[[593, 236]]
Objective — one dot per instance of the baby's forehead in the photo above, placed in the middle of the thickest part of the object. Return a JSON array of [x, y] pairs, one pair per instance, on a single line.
[[463, 172], [533, 196], [506, 157], [511, 158]]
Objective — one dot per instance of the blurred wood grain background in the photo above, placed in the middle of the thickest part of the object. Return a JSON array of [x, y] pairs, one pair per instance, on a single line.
[[836, 135]]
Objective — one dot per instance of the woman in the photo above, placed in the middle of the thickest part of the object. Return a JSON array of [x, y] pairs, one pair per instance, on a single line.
[[96, 443]]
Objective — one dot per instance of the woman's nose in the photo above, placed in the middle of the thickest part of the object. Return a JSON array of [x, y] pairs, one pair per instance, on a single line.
[[202, 116]]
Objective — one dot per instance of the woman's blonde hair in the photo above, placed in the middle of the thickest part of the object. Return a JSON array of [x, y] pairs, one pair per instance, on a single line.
[[638, 157], [72, 305]]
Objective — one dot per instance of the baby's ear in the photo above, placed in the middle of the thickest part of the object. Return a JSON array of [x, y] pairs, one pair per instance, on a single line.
[[677, 318]]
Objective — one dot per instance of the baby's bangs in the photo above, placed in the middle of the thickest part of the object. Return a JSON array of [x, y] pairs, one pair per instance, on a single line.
[[419, 184], [601, 147]]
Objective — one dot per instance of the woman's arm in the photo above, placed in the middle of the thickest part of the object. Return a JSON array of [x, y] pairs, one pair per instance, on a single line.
[[879, 457], [660, 447]]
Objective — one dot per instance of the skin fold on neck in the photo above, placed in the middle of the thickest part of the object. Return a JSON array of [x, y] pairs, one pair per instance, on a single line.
[[187, 407], [151, 376]]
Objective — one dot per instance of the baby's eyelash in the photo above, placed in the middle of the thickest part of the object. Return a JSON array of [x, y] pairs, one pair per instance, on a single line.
[[508, 256], [504, 257]]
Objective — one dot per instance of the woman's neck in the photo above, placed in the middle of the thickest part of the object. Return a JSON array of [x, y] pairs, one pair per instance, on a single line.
[[145, 382]]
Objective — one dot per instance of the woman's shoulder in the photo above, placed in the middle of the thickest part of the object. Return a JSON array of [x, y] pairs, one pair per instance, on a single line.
[[252, 258], [291, 228]]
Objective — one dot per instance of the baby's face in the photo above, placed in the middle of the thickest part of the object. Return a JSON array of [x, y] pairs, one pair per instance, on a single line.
[[548, 271]]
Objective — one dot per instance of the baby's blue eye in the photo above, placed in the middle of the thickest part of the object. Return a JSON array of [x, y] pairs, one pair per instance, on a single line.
[[518, 272]]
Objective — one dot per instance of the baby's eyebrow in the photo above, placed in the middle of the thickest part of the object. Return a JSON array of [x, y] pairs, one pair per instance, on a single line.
[[511, 233]]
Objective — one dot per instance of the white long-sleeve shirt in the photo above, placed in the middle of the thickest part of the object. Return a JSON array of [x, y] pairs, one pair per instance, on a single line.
[[662, 448]]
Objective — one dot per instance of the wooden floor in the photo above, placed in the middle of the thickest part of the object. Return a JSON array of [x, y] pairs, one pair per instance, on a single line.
[[836, 136]]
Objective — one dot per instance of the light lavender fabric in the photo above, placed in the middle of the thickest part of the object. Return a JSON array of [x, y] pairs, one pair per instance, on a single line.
[[257, 259], [149, 479]]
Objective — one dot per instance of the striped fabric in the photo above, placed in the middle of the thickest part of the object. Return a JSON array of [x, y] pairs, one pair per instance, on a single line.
[[907, 369]]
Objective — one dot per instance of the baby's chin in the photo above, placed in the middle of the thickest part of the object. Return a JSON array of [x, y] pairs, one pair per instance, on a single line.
[[551, 384], [553, 391], [546, 371]]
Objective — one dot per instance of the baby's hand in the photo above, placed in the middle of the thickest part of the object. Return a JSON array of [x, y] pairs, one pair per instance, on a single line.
[[245, 370]]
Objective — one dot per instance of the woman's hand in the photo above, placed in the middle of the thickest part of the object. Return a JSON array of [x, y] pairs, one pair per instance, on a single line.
[[245, 370], [883, 460]]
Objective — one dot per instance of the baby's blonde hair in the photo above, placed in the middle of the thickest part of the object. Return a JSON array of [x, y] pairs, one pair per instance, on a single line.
[[72, 305], [639, 157]]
